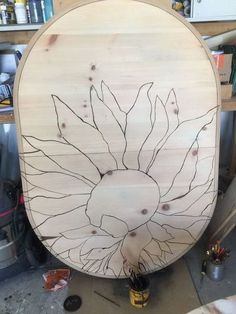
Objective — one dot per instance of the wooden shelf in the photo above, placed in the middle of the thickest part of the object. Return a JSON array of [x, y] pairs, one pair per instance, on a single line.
[[229, 104], [19, 27], [7, 117]]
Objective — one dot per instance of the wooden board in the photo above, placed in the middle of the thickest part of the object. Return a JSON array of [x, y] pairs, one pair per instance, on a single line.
[[117, 111]]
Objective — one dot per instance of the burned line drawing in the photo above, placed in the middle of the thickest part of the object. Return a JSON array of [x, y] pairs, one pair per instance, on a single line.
[[122, 209]]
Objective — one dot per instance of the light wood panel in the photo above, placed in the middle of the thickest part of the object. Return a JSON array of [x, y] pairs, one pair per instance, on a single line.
[[118, 136], [60, 5]]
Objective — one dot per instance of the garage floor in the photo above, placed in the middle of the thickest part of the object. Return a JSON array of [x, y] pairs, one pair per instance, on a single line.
[[175, 290], [172, 293]]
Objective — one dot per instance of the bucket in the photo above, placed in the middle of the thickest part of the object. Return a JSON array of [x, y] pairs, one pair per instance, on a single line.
[[139, 297]]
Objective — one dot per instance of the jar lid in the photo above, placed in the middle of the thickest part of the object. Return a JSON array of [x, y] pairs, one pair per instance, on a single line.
[[20, 2]]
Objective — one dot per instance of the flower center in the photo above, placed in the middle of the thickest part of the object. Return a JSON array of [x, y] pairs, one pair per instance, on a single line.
[[127, 197]]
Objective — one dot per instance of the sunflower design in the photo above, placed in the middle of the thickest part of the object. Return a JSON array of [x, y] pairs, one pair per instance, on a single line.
[[127, 204]]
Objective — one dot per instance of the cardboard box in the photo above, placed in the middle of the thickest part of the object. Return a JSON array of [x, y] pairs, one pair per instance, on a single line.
[[226, 91], [223, 64]]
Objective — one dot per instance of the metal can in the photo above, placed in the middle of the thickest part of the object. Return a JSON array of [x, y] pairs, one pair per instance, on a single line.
[[139, 297], [215, 271]]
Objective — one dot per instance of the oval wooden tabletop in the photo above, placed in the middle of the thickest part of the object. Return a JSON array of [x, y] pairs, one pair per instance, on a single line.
[[117, 114]]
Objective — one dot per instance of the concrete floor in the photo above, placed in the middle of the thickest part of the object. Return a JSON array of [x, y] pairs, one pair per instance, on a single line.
[[174, 290], [208, 290]]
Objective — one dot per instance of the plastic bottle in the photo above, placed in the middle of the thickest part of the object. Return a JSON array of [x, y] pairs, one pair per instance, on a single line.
[[36, 12], [20, 11], [28, 11], [48, 7]]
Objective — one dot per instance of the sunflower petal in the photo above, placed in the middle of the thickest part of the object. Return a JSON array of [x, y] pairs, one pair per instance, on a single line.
[[157, 133], [78, 133], [49, 160], [55, 182], [74, 218], [185, 174], [101, 253], [94, 242], [172, 110], [85, 231], [179, 235], [153, 248], [205, 202], [37, 146], [165, 247], [200, 196], [133, 244], [176, 221], [138, 125], [195, 229], [170, 117], [55, 206], [158, 232], [62, 245], [116, 261], [74, 256], [111, 102], [107, 124], [181, 143], [114, 226], [146, 261], [204, 162]]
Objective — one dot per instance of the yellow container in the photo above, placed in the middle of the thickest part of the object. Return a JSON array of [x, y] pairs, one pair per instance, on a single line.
[[139, 291], [139, 299]]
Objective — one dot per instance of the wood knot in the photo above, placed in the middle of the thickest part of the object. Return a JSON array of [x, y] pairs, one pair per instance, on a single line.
[[166, 207], [52, 39], [93, 67], [194, 152]]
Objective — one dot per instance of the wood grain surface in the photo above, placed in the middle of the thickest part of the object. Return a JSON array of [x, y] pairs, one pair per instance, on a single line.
[[117, 112]]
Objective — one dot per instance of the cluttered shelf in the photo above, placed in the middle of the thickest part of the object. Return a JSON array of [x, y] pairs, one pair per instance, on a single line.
[[20, 27], [227, 105]]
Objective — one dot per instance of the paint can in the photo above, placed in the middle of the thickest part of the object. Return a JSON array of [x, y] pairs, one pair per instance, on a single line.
[[215, 271], [139, 296]]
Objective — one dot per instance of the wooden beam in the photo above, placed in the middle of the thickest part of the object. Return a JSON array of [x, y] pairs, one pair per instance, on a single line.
[[18, 37], [229, 104], [214, 28], [7, 118]]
